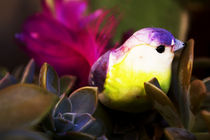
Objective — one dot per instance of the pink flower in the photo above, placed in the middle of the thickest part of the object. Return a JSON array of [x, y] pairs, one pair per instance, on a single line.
[[64, 36]]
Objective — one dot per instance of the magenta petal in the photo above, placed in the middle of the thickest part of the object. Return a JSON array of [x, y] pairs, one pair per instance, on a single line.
[[70, 12], [48, 41], [63, 36]]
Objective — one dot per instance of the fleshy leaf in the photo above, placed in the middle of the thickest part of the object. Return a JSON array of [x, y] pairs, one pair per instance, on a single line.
[[206, 116], [81, 121], [84, 100], [205, 103], [163, 104], [62, 125], [185, 65], [206, 81], [28, 73], [66, 83], [199, 124], [182, 69], [24, 105], [63, 106], [17, 72], [94, 128], [184, 77], [197, 93], [69, 116], [7, 80], [21, 135], [48, 78], [178, 134]]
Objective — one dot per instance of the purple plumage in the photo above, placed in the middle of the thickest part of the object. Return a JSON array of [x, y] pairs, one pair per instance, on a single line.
[[155, 36]]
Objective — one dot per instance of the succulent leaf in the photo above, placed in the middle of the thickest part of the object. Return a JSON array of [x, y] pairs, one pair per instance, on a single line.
[[84, 100], [66, 83], [17, 72], [62, 125], [81, 121], [197, 93], [7, 80], [206, 116], [63, 106], [28, 73], [24, 105], [199, 124], [70, 116], [184, 77], [163, 104], [205, 103], [95, 128], [178, 134], [48, 78], [185, 66], [21, 135]]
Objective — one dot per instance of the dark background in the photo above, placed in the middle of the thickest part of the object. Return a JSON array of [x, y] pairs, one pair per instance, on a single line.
[[14, 12]]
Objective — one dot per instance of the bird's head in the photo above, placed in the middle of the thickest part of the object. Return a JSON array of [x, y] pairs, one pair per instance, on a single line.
[[149, 48]]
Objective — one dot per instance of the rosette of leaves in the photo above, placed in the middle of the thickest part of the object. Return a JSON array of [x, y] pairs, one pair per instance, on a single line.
[[71, 118], [23, 105], [187, 109]]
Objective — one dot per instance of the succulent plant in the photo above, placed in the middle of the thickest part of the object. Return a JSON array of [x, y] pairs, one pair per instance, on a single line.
[[17, 97], [72, 115], [56, 109], [25, 105]]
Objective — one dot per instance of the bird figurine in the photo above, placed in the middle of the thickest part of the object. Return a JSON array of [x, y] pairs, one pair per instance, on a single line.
[[120, 74]]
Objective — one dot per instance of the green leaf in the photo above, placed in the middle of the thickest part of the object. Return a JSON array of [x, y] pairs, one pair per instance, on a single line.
[[197, 94], [7, 80], [48, 78], [206, 116], [84, 100], [66, 83], [206, 81], [178, 134], [163, 104], [21, 135], [28, 73], [24, 105]]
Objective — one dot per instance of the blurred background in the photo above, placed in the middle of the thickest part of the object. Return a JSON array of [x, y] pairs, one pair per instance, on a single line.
[[184, 18]]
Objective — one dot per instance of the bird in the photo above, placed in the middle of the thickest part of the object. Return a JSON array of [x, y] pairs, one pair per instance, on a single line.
[[120, 73]]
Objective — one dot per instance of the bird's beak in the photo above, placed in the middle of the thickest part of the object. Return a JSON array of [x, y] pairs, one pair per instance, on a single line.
[[178, 45]]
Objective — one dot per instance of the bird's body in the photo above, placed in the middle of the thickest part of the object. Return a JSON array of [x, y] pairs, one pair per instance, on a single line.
[[148, 53]]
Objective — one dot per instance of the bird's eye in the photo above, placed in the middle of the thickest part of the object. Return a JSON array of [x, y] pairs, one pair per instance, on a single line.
[[160, 49]]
